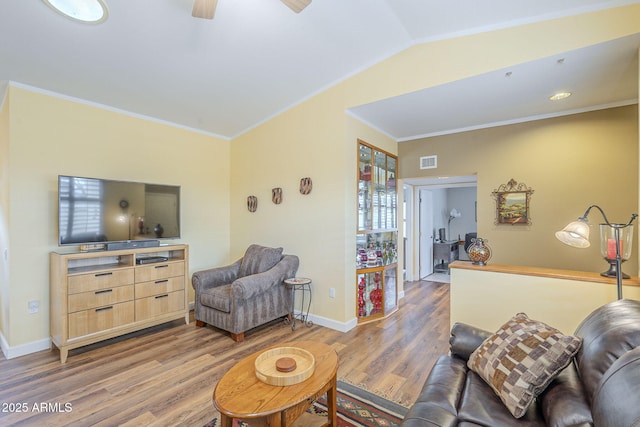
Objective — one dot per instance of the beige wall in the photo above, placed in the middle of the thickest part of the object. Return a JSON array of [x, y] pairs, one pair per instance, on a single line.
[[570, 162], [51, 136]]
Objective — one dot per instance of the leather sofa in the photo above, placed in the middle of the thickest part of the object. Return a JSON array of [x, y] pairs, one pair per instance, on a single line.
[[600, 388], [248, 293]]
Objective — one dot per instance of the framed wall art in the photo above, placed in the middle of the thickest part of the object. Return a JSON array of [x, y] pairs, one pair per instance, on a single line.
[[512, 203]]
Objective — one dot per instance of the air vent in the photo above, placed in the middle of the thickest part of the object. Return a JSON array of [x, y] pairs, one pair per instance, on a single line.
[[429, 162]]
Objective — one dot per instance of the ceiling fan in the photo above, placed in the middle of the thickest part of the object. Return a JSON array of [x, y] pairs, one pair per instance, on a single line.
[[207, 8]]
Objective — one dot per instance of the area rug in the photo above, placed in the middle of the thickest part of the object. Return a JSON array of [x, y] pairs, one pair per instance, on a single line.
[[356, 408]]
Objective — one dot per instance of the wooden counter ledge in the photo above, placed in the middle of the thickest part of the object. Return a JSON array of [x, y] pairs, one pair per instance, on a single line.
[[586, 276]]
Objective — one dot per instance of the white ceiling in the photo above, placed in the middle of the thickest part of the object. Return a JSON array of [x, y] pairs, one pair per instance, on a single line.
[[258, 58]]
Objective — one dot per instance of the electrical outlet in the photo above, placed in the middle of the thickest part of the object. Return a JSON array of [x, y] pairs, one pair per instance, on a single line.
[[34, 306], [332, 292]]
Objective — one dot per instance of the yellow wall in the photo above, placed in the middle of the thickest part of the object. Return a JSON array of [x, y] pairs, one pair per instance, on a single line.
[[316, 139], [4, 207], [487, 299], [51, 136], [306, 141], [570, 162]]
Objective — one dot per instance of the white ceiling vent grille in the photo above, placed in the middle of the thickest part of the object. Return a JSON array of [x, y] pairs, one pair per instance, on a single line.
[[429, 162]]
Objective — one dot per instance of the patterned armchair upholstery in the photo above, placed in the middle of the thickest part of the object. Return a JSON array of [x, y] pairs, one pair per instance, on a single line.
[[245, 294]]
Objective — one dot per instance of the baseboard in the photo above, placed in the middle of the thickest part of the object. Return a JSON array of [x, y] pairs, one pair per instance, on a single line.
[[332, 324], [23, 349]]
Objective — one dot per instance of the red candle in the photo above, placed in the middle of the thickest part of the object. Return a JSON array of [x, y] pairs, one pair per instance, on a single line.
[[611, 249]]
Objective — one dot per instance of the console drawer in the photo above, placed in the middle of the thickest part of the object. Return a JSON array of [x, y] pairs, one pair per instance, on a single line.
[[101, 280], [160, 286], [99, 319], [161, 270], [147, 308], [100, 298]]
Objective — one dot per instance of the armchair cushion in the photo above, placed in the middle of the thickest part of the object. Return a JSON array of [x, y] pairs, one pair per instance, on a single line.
[[218, 298], [521, 359], [258, 259]]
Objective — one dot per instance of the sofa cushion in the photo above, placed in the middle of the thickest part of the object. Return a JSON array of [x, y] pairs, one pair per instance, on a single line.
[[258, 259], [218, 298], [479, 406], [521, 359]]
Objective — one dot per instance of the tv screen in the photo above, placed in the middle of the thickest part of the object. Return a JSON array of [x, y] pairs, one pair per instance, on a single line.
[[93, 211]]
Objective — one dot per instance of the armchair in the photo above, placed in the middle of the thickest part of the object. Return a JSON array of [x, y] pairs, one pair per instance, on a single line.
[[245, 294]]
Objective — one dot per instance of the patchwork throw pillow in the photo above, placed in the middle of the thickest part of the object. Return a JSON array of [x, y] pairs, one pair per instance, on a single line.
[[521, 359]]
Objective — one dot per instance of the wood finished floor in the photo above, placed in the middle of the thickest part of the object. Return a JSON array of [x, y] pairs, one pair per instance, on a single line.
[[165, 375]]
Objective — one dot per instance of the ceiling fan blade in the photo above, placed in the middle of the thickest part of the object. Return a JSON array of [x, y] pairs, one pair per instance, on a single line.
[[296, 5], [204, 9]]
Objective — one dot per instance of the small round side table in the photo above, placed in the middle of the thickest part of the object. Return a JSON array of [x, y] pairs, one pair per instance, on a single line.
[[303, 285]]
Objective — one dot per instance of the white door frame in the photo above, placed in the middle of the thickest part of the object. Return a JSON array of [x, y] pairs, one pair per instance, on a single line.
[[414, 185], [425, 200]]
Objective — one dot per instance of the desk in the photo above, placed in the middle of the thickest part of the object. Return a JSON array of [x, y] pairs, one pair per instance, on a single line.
[[240, 394], [444, 253]]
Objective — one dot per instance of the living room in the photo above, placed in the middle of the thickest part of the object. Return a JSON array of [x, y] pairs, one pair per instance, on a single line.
[[44, 134]]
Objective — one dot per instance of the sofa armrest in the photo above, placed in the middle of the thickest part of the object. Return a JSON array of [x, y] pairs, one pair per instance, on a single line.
[[564, 403], [248, 287], [207, 279], [465, 339]]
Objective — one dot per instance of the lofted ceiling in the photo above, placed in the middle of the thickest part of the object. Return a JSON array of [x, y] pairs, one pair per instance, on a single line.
[[257, 58]]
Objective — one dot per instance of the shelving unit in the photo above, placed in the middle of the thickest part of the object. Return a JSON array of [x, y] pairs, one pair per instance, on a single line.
[[100, 295], [377, 234]]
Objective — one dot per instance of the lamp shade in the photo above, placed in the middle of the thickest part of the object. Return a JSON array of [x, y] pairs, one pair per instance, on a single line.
[[575, 234]]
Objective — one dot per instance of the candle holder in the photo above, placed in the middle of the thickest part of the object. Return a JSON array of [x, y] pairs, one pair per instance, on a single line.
[[609, 234], [576, 234]]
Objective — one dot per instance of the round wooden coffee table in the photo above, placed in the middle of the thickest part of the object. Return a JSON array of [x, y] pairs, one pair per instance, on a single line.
[[240, 394]]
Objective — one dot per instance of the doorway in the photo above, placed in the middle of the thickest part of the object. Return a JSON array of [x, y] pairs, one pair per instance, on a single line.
[[432, 200]]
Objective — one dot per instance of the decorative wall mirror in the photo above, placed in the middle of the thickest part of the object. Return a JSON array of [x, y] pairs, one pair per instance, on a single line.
[[512, 203]]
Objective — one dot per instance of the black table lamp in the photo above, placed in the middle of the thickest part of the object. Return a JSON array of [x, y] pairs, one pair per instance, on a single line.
[[615, 242]]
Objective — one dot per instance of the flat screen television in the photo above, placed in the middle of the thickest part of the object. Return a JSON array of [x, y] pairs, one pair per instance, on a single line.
[[99, 211]]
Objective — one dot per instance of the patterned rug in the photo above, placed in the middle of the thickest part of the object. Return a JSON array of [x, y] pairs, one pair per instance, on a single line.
[[356, 408]]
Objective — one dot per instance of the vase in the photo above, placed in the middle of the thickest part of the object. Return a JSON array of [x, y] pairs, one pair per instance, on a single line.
[[479, 252], [158, 230]]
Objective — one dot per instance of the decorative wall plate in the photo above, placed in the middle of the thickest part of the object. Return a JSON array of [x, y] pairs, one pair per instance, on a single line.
[[276, 195], [305, 185], [252, 203]]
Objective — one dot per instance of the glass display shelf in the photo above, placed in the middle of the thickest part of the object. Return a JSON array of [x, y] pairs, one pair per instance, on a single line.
[[376, 249]]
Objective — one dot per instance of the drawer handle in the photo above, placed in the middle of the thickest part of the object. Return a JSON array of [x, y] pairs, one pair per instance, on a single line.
[[104, 274], [162, 266], [157, 282], [106, 291], [104, 309], [162, 296]]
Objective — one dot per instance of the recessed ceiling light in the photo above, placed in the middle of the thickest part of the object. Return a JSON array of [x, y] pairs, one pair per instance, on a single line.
[[560, 95], [87, 11]]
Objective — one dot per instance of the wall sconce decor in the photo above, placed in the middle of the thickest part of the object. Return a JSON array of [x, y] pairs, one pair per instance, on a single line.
[[276, 195], [512, 203], [615, 242], [305, 185], [252, 203]]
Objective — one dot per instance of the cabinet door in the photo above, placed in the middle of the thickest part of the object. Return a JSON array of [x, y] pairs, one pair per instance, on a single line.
[[365, 187], [390, 289], [379, 190], [391, 194], [369, 295]]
